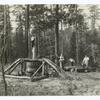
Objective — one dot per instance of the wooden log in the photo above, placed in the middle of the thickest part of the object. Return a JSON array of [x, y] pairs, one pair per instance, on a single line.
[[10, 66], [31, 60], [60, 71], [23, 68], [25, 77], [54, 66], [38, 78], [16, 77], [21, 59], [43, 68], [14, 67], [36, 71]]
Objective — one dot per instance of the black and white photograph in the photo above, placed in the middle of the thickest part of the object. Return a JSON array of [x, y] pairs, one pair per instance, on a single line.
[[50, 50]]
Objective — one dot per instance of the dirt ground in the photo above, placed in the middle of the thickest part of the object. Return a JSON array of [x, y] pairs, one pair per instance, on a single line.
[[87, 84]]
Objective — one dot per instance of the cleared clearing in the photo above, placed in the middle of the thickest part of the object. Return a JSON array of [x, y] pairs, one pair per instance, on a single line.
[[81, 84]]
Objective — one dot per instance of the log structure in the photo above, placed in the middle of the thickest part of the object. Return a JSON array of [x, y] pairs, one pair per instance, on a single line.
[[41, 69]]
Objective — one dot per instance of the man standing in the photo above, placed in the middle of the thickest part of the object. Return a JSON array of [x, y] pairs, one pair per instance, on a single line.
[[72, 61], [33, 47], [85, 62], [61, 60]]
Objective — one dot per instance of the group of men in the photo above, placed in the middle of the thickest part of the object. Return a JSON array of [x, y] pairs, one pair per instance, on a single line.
[[85, 62]]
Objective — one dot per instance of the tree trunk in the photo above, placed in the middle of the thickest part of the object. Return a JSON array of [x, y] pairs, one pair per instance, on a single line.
[[57, 34], [3, 52], [27, 35], [77, 49], [77, 40], [37, 44], [4, 81], [93, 51], [5, 32], [9, 37]]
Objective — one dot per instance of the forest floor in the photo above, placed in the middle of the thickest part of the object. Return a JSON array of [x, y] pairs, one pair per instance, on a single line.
[[87, 84]]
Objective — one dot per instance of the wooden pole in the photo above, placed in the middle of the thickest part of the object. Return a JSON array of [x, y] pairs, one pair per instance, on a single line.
[[14, 67], [17, 77], [10, 66], [37, 71], [43, 69]]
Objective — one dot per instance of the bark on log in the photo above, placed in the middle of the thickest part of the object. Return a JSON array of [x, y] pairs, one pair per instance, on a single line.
[[16, 77], [11, 66], [20, 60], [37, 70], [38, 78], [14, 67]]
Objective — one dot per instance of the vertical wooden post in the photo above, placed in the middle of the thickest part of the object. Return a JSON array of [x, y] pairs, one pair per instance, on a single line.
[[61, 61], [43, 69], [23, 68]]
